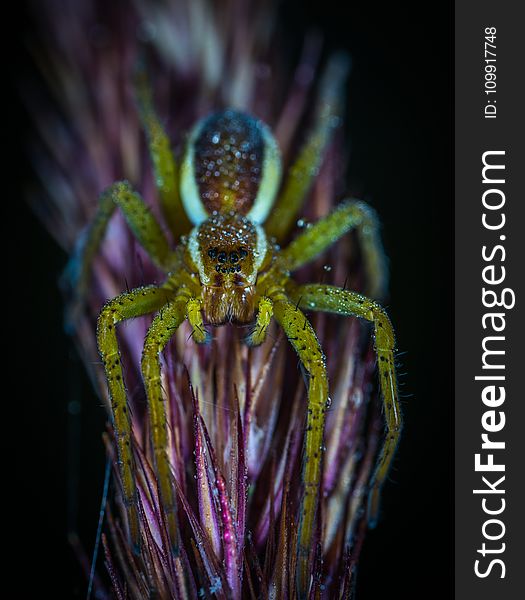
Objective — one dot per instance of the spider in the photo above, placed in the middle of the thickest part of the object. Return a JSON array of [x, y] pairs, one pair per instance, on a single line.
[[226, 205]]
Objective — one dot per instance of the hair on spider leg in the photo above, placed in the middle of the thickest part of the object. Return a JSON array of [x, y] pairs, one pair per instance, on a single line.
[[136, 394], [191, 335], [140, 264], [271, 336], [405, 397], [164, 390], [398, 360]]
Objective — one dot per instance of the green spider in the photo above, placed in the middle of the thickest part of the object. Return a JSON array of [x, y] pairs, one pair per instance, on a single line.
[[226, 204]]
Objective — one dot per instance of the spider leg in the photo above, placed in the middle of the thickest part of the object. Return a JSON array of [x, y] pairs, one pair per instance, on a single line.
[[126, 306], [164, 165], [303, 339], [321, 235], [328, 298], [141, 222], [263, 320], [194, 310], [306, 166], [164, 325]]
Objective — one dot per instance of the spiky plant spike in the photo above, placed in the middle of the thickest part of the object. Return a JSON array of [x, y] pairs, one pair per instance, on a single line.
[[236, 414]]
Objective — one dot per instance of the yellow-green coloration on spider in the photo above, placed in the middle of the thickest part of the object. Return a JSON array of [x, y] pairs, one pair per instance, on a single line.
[[228, 208]]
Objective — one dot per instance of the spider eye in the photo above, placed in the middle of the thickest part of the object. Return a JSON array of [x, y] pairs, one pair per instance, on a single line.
[[212, 253], [243, 253], [234, 257], [222, 257]]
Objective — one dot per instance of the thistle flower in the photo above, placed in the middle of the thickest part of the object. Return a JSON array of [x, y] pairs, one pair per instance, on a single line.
[[236, 415]]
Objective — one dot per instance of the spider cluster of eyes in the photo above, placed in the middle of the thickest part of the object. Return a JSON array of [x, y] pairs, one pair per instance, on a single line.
[[222, 257]]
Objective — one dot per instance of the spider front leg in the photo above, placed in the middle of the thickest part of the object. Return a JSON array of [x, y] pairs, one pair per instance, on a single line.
[[262, 322], [164, 165], [194, 312], [319, 236], [126, 306], [141, 222], [163, 327], [333, 299], [303, 339]]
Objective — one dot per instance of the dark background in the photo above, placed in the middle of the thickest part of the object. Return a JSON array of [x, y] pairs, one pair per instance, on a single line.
[[400, 132]]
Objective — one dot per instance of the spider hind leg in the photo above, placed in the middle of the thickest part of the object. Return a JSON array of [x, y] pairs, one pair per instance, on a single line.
[[304, 170], [164, 165]]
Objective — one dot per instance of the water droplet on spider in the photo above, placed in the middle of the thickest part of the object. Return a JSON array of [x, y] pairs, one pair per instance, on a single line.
[[327, 268], [216, 138], [328, 402], [302, 223]]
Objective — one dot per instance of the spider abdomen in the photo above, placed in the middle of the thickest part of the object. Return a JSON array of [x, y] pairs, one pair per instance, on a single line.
[[228, 170], [232, 164]]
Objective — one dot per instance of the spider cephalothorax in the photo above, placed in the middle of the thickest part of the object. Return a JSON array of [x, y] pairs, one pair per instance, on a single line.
[[230, 213], [228, 251]]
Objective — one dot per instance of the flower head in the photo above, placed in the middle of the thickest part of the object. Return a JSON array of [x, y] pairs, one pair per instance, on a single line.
[[236, 414]]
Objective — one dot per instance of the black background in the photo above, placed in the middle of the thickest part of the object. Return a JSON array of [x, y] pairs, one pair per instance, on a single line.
[[400, 132]]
